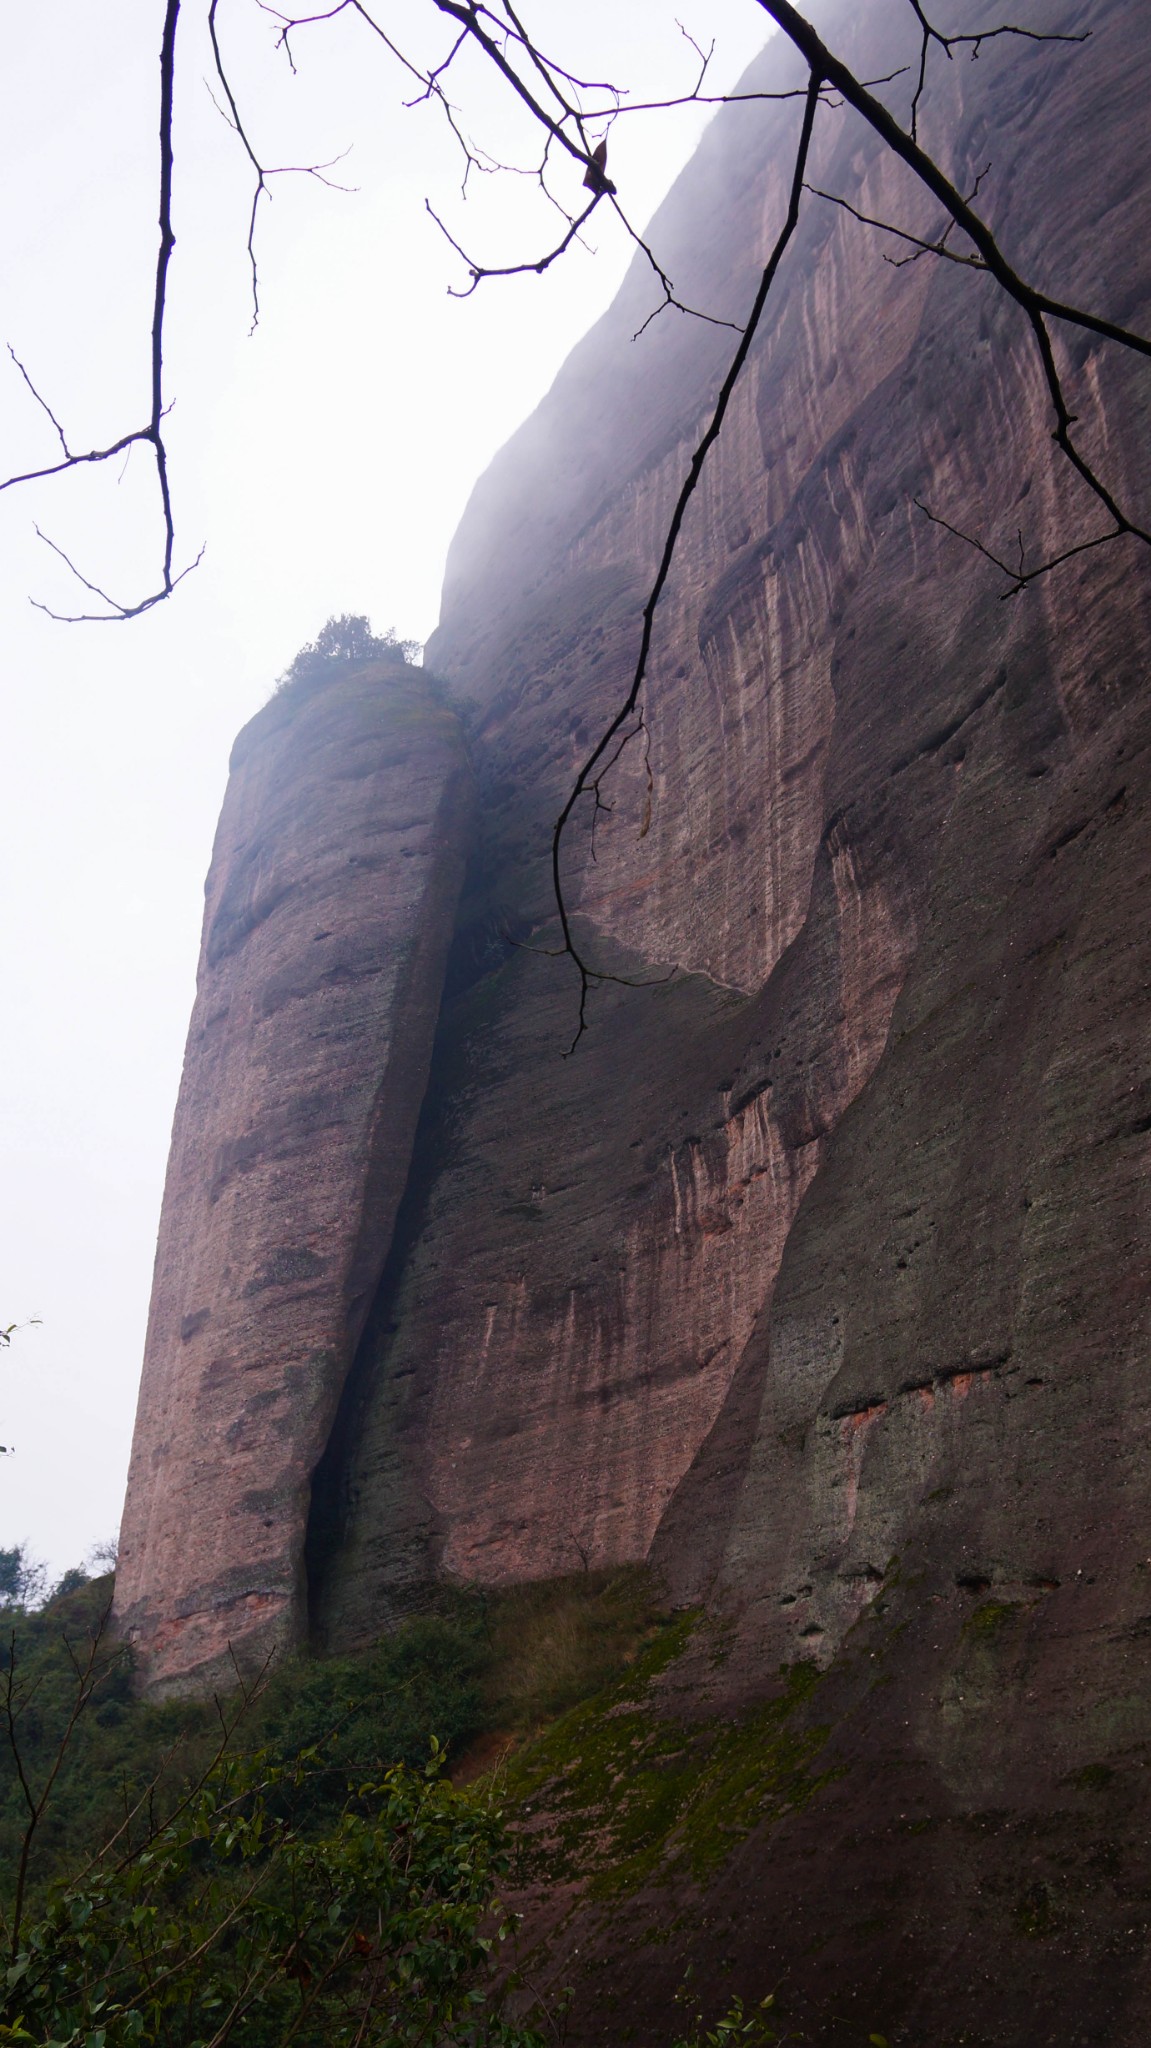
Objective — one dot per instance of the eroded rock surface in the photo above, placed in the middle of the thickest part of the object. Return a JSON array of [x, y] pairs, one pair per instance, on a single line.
[[846, 727], [818, 1275], [330, 903]]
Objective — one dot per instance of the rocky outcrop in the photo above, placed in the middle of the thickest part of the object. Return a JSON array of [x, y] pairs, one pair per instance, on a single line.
[[817, 1274], [571, 1348], [329, 911]]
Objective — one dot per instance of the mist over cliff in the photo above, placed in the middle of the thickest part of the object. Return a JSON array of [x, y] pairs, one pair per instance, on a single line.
[[817, 1276]]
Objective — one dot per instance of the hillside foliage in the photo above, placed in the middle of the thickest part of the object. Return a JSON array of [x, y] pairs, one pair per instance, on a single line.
[[293, 1863]]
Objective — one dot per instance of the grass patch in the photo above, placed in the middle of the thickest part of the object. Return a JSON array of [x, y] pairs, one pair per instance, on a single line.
[[553, 1643]]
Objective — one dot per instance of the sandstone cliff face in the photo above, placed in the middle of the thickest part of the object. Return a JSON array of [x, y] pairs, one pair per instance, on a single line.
[[818, 1274], [329, 911], [850, 739]]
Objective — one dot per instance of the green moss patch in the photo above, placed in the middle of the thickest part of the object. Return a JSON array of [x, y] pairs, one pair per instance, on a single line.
[[989, 1619], [616, 1795]]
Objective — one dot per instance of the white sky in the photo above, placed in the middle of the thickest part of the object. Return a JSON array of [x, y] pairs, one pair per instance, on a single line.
[[324, 464]]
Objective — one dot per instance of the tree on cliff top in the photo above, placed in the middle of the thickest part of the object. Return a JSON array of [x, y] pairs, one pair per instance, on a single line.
[[343, 642], [572, 118]]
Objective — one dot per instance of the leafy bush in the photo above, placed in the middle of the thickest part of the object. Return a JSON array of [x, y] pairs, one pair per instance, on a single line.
[[234, 1922], [502, 1662], [342, 643], [756, 2028], [380, 1708], [287, 1867], [23, 1578]]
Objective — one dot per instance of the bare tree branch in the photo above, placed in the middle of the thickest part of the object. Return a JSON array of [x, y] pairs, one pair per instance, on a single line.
[[920, 246], [826, 69], [1038, 306], [153, 431], [1019, 576], [479, 271], [907, 149], [263, 172], [949, 45]]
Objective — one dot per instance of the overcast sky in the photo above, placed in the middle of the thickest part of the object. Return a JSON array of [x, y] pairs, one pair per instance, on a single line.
[[323, 464]]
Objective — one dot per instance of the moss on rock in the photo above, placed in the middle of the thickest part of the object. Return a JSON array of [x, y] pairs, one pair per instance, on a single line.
[[618, 1794]]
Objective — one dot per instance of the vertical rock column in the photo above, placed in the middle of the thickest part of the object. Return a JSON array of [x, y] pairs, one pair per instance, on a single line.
[[330, 904]]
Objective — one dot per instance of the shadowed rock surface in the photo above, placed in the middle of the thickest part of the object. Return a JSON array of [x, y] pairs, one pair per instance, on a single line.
[[330, 902], [857, 752]]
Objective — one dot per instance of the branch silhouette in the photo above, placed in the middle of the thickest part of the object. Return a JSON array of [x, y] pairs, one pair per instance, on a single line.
[[152, 433], [826, 69], [575, 116]]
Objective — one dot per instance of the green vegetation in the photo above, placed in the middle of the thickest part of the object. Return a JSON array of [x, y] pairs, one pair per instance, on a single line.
[[631, 1796], [343, 642], [292, 1867], [989, 1618], [89, 1762], [286, 1868], [474, 1666], [234, 1920], [754, 2027], [23, 1579]]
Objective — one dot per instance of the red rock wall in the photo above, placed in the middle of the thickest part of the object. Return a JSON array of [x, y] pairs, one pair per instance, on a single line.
[[818, 1274], [330, 902], [590, 1254]]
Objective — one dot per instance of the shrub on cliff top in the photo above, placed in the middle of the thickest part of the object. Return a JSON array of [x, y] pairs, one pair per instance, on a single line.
[[343, 642]]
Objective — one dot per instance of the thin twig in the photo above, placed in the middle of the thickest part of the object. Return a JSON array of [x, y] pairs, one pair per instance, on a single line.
[[153, 431], [263, 172], [949, 44], [478, 271]]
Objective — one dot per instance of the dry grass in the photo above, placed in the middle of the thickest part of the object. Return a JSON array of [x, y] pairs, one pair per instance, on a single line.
[[556, 1641]]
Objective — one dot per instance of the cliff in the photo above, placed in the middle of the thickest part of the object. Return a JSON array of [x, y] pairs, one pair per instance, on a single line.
[[329, 910], [817, 1275], [860, 755]]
